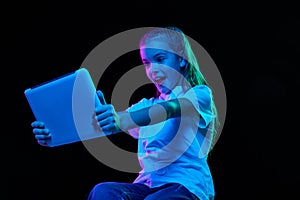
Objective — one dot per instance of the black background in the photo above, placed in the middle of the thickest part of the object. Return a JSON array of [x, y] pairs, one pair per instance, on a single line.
[[256, 49]]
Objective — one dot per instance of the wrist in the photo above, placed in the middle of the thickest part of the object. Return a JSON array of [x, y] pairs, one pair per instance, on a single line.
[[125, 122]]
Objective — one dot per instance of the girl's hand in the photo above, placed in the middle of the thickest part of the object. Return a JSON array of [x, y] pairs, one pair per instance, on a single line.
[[108, 119], [106, 116], [42, 134]]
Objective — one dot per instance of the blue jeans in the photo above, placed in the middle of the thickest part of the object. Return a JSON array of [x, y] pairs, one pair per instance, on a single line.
[[137, 191]]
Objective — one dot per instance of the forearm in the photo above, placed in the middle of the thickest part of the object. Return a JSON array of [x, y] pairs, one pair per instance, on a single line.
[[155, 114], [143, 117]]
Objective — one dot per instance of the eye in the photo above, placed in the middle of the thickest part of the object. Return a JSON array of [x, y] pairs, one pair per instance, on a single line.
[[160, 59]]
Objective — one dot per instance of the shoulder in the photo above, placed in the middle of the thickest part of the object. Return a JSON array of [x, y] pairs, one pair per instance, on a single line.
[[201, 88], [200, 92]]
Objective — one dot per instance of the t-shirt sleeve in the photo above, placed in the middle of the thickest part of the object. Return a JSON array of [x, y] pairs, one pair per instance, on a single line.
[[201, 98]]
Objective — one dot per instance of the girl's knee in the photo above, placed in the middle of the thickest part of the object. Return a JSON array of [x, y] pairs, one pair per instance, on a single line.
[[105, 187], [103, 190]]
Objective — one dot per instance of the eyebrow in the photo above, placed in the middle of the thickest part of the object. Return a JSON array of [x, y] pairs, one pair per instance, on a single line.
[[156, 55]]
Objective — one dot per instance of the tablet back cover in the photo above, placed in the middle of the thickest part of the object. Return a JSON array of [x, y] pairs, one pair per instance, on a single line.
[[67, 107]]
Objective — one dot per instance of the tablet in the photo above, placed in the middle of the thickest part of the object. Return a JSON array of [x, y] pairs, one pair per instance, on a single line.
[[67, 107]]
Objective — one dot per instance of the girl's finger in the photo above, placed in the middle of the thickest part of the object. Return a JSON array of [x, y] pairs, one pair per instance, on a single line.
[[106, 121], [38, 131], [43, 137], [38, 124], [104, 116]]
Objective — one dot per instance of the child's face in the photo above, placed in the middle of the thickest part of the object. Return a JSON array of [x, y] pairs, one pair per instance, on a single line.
[[162, 66]]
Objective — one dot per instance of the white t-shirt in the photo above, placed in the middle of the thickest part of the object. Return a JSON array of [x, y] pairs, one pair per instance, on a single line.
[[176, 150]]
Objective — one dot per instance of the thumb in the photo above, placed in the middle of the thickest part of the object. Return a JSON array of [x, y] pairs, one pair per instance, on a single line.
[[101, 97]]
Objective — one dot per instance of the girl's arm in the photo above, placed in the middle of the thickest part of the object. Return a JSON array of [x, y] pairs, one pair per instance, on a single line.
[[111, 121], [156, 113]]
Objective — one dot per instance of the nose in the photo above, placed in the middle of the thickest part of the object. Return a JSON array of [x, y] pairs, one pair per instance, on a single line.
[[154, 68]]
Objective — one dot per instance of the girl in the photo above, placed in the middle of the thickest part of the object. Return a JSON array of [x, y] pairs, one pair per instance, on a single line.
[[175, 129]]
